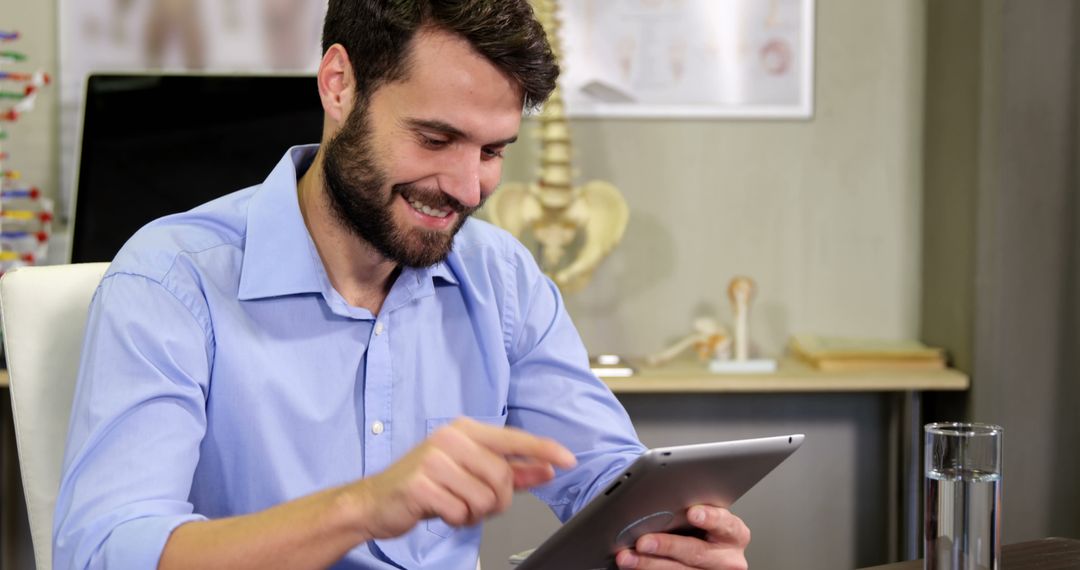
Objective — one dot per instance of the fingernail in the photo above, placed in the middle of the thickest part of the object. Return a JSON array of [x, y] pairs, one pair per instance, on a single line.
[[697, 515], [628, 560], [647, 545]]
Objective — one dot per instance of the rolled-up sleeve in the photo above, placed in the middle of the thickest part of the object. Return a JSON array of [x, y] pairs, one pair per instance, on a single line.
[[554, 393], [138, 418]]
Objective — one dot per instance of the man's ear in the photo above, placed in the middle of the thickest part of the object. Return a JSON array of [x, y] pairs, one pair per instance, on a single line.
[[337, 84]]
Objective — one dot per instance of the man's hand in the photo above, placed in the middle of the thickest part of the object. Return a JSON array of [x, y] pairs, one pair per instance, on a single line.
[[465, 472], [724, 546]]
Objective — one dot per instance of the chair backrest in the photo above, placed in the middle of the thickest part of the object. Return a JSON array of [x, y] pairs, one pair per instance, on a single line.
[[44, 313]]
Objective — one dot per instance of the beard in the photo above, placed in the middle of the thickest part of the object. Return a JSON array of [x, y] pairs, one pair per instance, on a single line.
[[354, 182]]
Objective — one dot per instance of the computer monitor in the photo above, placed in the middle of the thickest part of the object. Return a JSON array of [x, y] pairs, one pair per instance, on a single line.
[[154, 145]]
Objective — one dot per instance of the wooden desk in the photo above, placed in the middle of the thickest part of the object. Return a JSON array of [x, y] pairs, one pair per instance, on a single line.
[[1045, 554], [794, 376], [690, 376]]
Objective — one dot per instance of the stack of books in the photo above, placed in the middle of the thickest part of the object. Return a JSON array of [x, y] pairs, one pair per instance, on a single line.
[[840, 353]]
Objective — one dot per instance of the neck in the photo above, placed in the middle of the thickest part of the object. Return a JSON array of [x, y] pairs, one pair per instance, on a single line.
[[359, 273]]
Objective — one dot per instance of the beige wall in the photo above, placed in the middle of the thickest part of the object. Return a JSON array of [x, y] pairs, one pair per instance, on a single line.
[[824, 214]]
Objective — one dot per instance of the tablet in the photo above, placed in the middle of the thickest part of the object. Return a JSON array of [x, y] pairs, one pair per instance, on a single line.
[[653, 495]]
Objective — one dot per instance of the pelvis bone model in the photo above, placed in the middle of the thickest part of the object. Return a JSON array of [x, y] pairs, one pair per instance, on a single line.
[[575, 226]]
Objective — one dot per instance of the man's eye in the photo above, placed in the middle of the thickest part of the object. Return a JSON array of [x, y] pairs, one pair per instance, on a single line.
[[433, 143], [492, 152]]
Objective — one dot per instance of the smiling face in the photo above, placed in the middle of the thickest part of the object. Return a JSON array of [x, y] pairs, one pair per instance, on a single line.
[[406, 170]]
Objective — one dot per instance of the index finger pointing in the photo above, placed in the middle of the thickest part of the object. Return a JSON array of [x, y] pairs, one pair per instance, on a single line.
[[514, 442]]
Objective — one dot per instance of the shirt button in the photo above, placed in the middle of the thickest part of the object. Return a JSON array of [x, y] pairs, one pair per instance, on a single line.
[[379, 328], [377, 428]]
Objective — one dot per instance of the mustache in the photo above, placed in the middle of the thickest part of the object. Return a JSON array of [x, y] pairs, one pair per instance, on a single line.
[[431, 197]]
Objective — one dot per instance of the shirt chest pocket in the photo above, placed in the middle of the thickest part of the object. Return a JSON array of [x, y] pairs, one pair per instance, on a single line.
[[436, 525]]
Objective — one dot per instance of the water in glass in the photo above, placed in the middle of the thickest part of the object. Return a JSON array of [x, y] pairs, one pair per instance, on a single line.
[[963, 507]]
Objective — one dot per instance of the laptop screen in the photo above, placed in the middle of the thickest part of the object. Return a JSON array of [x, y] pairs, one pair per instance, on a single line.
[[154, 145]]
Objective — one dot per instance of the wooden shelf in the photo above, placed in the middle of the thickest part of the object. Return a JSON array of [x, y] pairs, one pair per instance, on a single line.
[[791, 376]]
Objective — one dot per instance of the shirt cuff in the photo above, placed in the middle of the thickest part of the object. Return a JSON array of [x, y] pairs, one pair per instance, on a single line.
[[139, 543]]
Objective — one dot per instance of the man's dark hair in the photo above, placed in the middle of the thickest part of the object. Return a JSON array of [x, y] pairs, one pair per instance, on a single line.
[[377, 34]]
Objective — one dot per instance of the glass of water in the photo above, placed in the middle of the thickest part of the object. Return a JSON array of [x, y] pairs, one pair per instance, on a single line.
[[962, 514]]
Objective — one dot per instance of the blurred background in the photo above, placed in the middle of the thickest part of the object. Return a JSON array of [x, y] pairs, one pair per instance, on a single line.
[[932, 194]]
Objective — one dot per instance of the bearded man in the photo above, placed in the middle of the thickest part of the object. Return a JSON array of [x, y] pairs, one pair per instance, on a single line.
[[338, 368]]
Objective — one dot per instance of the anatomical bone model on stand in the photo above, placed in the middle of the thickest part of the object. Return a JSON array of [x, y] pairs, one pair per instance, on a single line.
[[741, 291], [575, 226], [725, 352]]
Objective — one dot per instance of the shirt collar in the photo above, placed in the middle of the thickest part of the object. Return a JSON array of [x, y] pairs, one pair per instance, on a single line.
[[417, 282], [277, 248], [279, 255]]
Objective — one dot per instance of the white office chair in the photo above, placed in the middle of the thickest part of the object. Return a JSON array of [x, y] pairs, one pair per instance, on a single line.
[[44, 313]]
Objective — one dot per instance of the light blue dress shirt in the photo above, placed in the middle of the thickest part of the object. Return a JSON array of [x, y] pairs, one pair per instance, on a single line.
[[222, 374]]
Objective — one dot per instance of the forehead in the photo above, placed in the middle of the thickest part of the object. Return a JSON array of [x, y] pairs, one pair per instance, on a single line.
[[449, 81]]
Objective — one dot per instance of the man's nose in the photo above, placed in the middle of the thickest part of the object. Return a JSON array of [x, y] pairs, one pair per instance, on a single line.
[[461, 180]]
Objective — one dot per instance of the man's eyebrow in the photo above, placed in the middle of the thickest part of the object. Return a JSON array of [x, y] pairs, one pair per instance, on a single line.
[[450, 130]]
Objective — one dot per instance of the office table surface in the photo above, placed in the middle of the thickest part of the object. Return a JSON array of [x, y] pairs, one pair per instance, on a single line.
[[792, 375], [1043, 554]]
